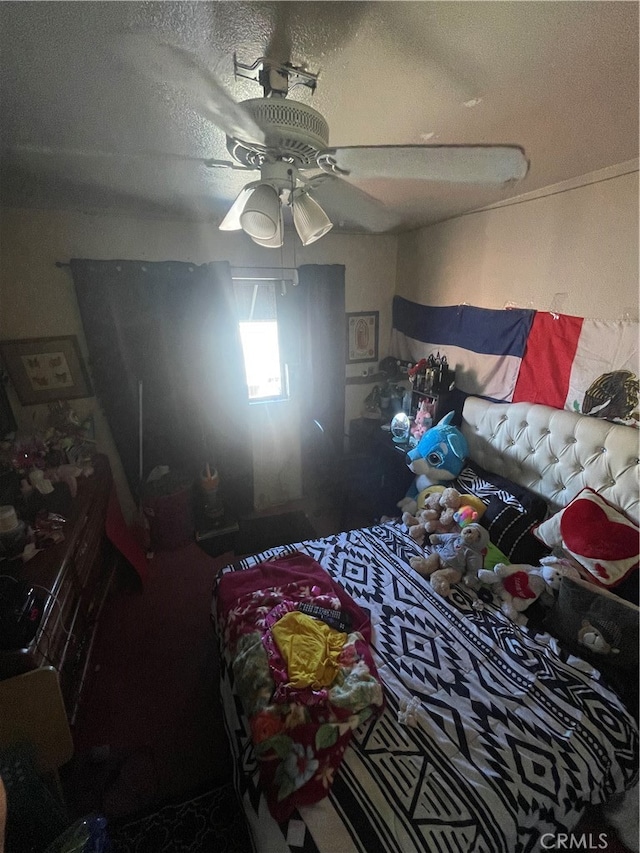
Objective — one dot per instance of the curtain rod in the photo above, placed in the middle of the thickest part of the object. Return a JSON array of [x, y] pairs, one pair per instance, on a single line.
[[247, 273]]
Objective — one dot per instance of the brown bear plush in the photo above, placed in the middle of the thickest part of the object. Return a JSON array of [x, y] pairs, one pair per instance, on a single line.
[[436, 515], [459, 554]]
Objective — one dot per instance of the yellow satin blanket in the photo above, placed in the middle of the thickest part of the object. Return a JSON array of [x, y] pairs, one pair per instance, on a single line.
[[310, 649]]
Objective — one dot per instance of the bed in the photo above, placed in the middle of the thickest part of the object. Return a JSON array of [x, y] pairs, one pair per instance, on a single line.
[[487, 734]]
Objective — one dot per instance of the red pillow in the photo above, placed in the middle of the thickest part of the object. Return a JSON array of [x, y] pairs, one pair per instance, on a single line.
[[597, 535]]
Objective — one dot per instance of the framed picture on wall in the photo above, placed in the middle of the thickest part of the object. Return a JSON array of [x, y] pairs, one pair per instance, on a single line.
[[46, 369], [362, 336]]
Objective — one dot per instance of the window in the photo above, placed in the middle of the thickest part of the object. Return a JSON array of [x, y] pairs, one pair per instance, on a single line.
[[258, 321]]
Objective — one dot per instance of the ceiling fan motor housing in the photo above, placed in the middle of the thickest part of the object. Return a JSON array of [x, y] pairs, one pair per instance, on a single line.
[[293, 129]]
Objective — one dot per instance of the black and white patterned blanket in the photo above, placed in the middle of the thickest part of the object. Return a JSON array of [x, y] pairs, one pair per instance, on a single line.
[[491, 736]]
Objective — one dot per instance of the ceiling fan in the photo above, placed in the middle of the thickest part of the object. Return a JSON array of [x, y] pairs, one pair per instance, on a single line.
[[288, 143]]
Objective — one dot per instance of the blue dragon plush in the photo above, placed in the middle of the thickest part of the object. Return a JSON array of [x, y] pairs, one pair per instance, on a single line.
[[437, 458]]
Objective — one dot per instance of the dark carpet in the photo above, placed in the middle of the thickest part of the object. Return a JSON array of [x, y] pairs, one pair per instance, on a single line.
[[211, 821], [150, 727], [258, 534]]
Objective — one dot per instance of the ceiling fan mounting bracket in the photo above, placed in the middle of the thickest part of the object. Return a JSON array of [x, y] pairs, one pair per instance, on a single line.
[[275, 77]]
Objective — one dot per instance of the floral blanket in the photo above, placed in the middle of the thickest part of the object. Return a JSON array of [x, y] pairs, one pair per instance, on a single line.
[[299, 732]]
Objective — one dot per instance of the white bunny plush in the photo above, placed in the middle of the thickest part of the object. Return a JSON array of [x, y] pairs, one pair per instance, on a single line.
[[519, 585]]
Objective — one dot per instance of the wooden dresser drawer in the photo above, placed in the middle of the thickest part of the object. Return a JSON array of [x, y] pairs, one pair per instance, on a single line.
[[73, 577]]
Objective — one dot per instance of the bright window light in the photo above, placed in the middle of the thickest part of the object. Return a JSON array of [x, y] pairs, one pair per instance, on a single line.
[[261, 358]]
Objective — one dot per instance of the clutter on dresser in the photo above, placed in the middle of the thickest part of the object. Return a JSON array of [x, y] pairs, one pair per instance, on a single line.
[[40, 475]]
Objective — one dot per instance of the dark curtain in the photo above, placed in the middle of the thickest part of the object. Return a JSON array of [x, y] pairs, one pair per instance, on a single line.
[[312, 320], [7, 419], [172, 326]]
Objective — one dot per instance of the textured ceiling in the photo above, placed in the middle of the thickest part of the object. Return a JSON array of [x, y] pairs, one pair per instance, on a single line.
[[83, 129]]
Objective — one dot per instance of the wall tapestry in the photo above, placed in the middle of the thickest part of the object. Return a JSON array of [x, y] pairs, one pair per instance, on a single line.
[[587, 366], [484, 345]]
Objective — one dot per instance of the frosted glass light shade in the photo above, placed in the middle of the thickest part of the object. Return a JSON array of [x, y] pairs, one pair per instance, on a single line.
[[261, 213], [231, 222], [278, 238], [309, 218]]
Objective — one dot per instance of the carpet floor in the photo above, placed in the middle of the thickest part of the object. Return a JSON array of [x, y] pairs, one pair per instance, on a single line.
[[150, 725], [150, 729], [206, 823]]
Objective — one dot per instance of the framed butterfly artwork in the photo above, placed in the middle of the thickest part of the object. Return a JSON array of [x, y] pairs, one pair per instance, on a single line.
[[46, 369]]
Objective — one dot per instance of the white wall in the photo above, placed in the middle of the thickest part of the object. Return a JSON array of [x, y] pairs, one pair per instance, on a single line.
[[580, 239], [38, 299]]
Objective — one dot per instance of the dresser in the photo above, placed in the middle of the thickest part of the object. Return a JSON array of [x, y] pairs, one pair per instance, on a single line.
[[77, 573]]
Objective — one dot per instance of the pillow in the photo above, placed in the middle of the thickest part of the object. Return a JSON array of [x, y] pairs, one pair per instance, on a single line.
[[510, 529], [485, 485], [512, 512], [597, 535], [601, 628]]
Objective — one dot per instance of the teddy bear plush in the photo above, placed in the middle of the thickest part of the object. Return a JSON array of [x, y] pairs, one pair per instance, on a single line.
[[450, 501], [442, 510], [436, 516], [457, 555], [519, 585]]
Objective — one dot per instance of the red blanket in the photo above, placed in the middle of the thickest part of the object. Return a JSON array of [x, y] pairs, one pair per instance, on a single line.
[[300, 735]]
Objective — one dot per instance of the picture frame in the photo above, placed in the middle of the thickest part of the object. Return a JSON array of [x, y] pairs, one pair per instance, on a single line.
[[362, 336], [46, 369]]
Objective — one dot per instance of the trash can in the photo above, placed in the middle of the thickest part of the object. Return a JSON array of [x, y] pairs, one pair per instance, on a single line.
[[168, 506]]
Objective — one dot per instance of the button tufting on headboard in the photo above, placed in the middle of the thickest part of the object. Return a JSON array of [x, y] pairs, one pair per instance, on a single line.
[[555, 452]]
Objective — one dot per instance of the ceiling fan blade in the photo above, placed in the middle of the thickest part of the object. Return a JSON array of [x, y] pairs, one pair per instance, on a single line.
[[473, 164], [170, 65], [350, 206], [52, 152]]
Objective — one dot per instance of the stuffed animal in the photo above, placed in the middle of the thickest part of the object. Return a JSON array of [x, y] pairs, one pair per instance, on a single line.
[[465, 515], [459, 554], [519, 585], [437, 458], [440, 510], [450, 502], [436, 515]]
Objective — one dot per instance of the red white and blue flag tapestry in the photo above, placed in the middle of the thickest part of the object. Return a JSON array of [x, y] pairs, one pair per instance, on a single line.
[[584, 365], [484, 345]]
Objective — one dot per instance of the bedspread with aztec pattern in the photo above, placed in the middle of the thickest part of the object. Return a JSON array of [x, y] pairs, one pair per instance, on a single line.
[[490, 735]]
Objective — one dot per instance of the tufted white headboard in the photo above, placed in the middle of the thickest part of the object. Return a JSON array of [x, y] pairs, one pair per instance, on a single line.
[[554, 452]]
